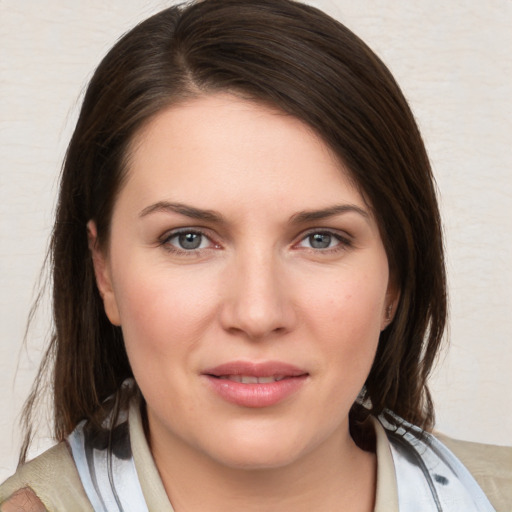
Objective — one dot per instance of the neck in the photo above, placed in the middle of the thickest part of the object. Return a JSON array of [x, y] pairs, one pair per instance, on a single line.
[[335, 476]]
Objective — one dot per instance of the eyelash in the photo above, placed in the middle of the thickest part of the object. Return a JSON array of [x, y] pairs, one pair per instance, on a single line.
[[165, 242], [343, 244]]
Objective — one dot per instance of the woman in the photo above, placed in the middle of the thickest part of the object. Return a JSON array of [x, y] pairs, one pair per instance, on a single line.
[[249, 288]]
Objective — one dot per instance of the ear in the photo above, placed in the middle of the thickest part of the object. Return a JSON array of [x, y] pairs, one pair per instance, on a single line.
[[103, 275], [390, 304]]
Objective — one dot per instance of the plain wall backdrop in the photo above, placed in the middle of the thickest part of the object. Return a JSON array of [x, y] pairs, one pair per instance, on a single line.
[[453, 61]]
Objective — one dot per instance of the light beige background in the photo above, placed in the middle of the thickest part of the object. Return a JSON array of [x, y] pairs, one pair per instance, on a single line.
[[453, 60]]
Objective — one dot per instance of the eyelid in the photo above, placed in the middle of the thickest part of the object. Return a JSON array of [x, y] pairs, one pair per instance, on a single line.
[[168, 235], [343, 237]]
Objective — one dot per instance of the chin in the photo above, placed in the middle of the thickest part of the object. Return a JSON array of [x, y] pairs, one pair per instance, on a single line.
[[258, 452], [252, 460]]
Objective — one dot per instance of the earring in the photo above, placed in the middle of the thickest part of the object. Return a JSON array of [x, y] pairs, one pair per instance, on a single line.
[[389, 310]]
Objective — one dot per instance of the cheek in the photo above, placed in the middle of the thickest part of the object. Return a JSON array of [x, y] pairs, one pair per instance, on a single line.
[[163, 318], [161, 311], [348, 306], [345, 319]]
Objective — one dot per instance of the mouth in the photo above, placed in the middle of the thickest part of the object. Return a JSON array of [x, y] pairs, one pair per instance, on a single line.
[[251, 379], [255, 385], [275, 370]]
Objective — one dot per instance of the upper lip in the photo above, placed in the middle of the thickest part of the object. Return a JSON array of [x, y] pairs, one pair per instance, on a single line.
[[260, 369]]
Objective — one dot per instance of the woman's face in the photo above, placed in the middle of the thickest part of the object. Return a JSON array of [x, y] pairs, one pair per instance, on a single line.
[[250, 281]]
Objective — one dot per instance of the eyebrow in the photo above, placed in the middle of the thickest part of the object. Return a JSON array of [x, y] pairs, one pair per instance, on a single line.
[[182, 209], [324, 213], [212, 216]]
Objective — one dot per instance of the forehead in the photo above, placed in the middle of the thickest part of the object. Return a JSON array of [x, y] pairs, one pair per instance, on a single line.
[[220, 147]]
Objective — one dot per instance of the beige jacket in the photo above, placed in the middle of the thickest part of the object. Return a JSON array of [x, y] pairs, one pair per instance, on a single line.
[[54, 478]]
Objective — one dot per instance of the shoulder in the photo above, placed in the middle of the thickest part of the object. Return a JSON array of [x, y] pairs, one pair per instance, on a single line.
[[490, 465], [48, 482]]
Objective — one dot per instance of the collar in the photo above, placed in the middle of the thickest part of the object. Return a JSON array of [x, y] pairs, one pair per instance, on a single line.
[[415, 471], [429, 476], [386, 495]]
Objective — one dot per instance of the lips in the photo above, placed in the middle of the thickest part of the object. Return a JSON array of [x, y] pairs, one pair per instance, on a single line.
[[255, 384], [251, 379]]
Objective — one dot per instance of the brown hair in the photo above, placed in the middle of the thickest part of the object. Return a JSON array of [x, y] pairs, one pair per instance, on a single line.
[[310, 66]]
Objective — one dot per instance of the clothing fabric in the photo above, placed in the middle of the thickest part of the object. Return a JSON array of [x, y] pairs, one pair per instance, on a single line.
[[113, 470], [429, 476]]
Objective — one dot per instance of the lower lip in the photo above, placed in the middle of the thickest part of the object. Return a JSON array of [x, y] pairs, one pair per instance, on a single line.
[[256, 395]]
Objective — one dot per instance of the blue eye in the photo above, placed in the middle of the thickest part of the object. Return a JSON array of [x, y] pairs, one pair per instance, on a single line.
[[320, 240], [187, 241]]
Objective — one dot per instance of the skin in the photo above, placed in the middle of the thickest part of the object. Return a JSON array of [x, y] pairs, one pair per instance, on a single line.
[[24, 500], [257, 289]]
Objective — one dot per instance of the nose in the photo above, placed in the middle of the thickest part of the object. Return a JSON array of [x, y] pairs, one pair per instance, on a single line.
[[257, 298]]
